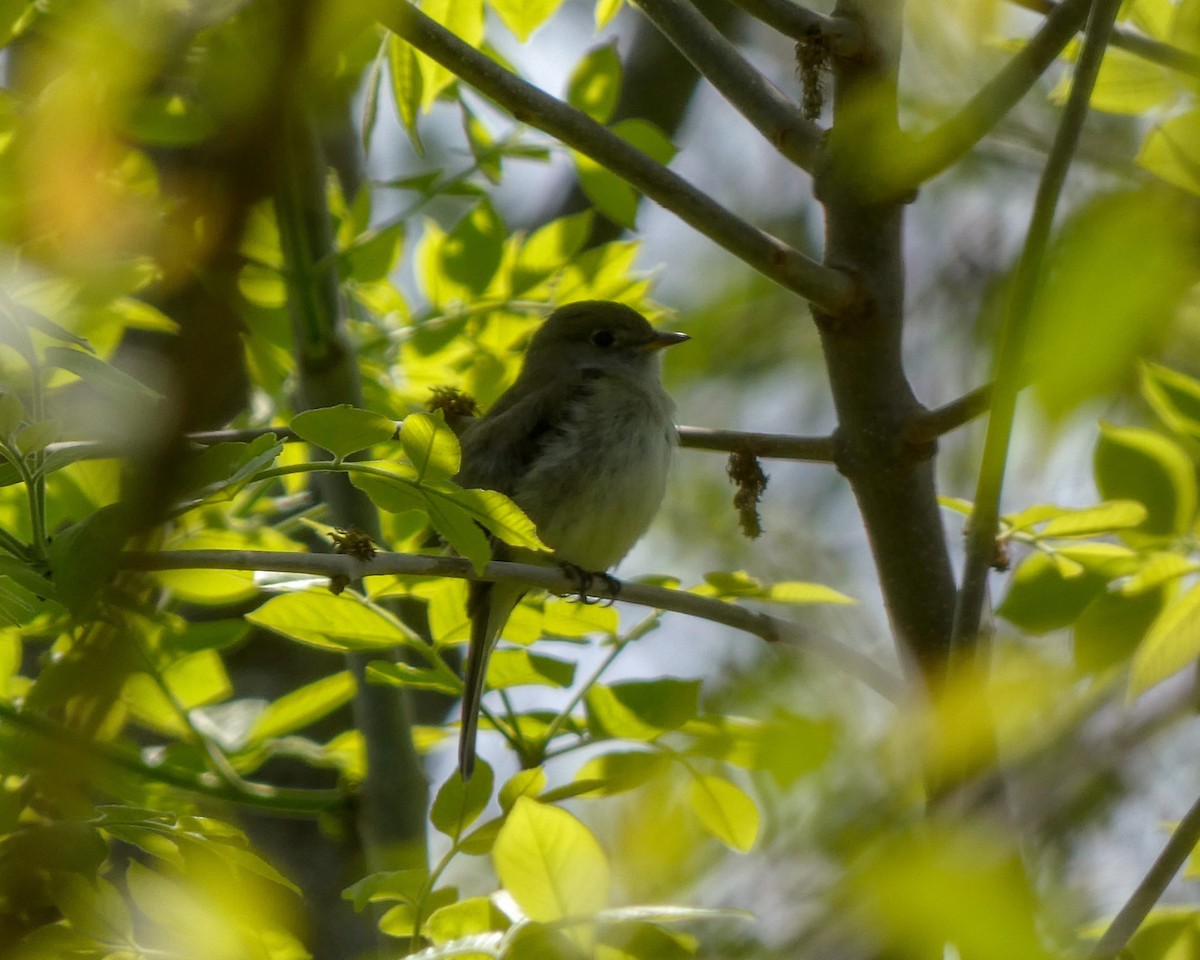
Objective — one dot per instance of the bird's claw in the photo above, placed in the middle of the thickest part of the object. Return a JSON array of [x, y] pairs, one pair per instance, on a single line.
[[584, 580]]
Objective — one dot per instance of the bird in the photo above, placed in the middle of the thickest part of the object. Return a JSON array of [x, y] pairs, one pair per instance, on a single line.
[[582, 443]]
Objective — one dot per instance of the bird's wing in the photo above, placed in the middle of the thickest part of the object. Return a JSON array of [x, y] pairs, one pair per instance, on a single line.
[[499, 449]]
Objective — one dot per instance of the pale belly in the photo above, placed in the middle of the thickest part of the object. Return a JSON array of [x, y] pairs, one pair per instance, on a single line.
[[598, 484]]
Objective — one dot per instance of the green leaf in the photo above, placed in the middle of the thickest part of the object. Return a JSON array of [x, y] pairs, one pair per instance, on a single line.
[[431, 446], [398, 494], [786, 745], [725, 811], [341, 623], [295, 710], [168, 120], [456, 267], [550, 863], [526, 783], [1137, 464], [595, 84], [1101, 310], [610, 194], [1157, 569], [12, 414], [343, 430], [495, 512], [614, 773], [83, 556], [104, 377], [1172, 151], [572, 619], [1172, 644], [459, 527], [605, 11], [522, 17], [405, 886], [35, 437], [93, 907], [225, 465], [516, 668], [469, 917], [548, 248], [642, 709], [1174, 396], [1111, 627], [458, 804], [399, 674], [1041, 598], [1092, 521], [373, 254], [407, 87], [461, 17], [1126, 84]]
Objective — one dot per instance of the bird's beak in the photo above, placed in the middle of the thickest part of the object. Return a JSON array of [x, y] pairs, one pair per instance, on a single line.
[[665, 338]]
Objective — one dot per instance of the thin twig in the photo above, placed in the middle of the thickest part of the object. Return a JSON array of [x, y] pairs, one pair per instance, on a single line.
[[981, 531], [830, 290], [942, 146], [1136, 43], [763, 625], [752, 95], [776, 445], [843, 35], [950, 416], [1125, 924]]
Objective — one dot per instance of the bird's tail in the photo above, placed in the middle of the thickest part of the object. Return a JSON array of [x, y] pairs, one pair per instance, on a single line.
[[489, 606]]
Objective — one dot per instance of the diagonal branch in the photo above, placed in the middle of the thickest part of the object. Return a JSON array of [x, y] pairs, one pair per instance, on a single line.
[[942, 146], [950, 416], [843, 36], [752, 95], [830, 290], [981, 531], [1125, 924], [1174, 58], [763, 625]]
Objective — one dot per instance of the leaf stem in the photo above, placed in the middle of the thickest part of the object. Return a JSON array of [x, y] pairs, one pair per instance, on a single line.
[[984, 522]]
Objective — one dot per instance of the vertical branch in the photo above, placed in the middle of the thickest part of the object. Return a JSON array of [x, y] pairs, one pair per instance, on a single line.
[[892, 478], [981, 532], [392, 815]]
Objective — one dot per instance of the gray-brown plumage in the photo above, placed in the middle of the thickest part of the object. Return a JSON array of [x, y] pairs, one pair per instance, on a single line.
[[582, 442]]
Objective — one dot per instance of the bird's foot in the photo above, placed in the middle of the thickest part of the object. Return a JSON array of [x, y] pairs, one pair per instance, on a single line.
[[584, 580]]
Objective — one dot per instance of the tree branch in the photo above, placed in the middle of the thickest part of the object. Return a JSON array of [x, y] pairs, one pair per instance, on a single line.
[[943, 146], [981, 529], [776, 445], [844, 36], [781, 446], [1136, 43], [933, 424], [830, 290], [1125, 924], [751, 94], [765, 626]]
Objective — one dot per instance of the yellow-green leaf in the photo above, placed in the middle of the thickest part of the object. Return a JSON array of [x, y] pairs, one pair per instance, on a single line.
[[331, 622], [550, 863], [430, 445], [1172, 644], [343, 429], [725, 810]]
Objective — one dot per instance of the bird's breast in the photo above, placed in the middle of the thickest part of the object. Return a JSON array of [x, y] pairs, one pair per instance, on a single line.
[[602, 473]]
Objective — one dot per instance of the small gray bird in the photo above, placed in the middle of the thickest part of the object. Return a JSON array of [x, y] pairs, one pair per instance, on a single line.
[[582, 442]]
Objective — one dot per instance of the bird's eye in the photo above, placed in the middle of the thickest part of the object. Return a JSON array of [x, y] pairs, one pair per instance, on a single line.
[[603, 338]]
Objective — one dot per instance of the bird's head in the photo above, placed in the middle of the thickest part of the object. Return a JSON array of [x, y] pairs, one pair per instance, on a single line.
[[597, 334]]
